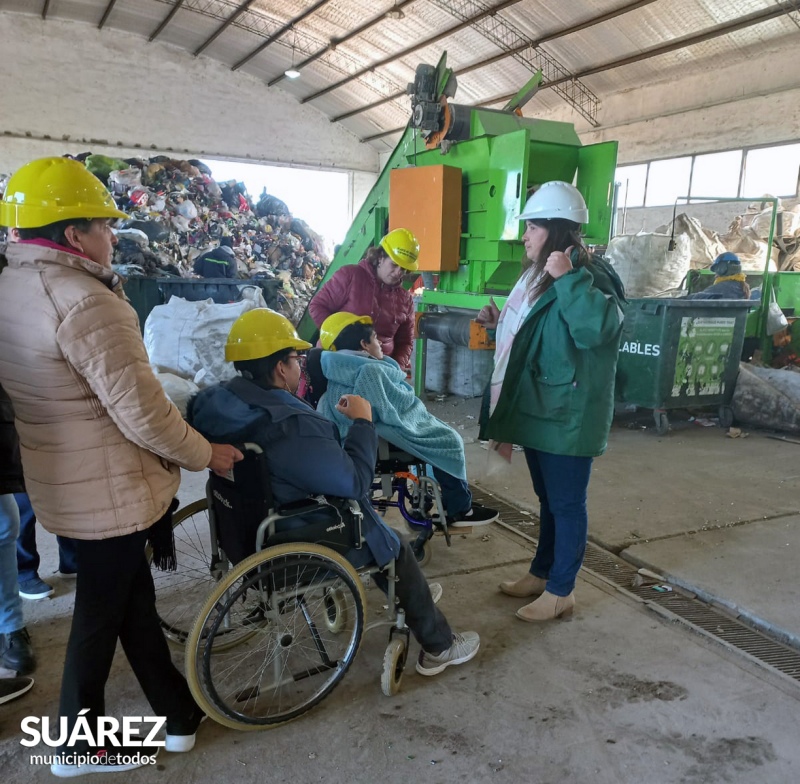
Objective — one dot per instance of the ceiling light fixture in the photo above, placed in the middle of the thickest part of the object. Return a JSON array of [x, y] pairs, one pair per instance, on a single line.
[[292, 72], [395, 13]]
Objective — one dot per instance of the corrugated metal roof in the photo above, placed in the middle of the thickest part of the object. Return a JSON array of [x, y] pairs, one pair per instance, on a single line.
[[387, 28]]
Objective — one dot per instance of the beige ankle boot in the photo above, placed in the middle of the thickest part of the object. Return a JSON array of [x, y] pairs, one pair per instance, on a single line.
[[529, 585], [547, 607]]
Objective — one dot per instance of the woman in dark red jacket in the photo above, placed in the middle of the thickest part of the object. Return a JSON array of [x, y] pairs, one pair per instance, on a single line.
[[373, 288]]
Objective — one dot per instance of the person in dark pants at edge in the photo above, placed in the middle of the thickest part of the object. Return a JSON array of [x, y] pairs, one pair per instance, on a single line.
[[552, 388], [219, 262], [31, 585], [305, 458], [16, 651], [101, 446]]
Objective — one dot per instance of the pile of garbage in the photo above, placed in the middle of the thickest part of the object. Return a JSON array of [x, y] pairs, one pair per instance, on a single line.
[[178, 211]]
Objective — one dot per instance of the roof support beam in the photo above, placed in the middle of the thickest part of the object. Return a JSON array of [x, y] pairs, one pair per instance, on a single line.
[[107, 13], [334, 42], [409, 50], [223, 27], [595, 20], [680, 43], [279, 32], [45, 9], [167, 19]]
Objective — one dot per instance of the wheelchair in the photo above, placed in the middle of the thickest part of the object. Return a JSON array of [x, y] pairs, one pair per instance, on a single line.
[[280, 628], [402, 482]]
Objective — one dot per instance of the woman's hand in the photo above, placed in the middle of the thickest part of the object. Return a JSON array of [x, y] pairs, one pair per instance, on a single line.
[[559, 263], [223, 456], [354, 407], [489, 315]]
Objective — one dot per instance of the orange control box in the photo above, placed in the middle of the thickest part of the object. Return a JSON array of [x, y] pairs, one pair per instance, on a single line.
[[427, 200]]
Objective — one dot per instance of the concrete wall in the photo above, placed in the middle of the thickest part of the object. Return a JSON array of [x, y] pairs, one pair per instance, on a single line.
[[751, 103], [69, 87]]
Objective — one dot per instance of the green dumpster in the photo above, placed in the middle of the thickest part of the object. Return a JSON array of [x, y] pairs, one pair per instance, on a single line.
[[676, 353]]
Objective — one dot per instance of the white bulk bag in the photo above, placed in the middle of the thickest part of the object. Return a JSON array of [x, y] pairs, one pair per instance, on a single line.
[[188, 338]]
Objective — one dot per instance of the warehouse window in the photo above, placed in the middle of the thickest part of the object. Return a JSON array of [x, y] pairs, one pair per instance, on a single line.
[[320, 198], [747, 173], [632, 180], [717, 174], [772, 170], [667, 181]]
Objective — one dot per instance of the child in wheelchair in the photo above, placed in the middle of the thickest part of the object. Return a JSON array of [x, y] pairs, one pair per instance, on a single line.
[[305, 458], [348, 366]]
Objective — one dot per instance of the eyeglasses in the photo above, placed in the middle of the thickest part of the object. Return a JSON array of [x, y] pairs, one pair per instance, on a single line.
[[301, 359]]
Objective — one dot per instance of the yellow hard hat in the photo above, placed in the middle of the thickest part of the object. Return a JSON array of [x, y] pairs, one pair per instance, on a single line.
[[261, 333], [333, 325], [402, 248], [48, 190]]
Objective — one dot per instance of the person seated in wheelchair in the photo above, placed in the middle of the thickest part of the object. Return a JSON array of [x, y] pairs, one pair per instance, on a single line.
[[305, 458], [347, 364]]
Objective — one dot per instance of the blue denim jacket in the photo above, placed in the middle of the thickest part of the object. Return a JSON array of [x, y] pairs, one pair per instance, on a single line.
[[303, 451]]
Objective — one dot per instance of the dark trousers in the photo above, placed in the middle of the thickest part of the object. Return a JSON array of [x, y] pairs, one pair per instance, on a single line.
[[561, 482], [27, 554], [456, 495], [115, 599], [426, 621]]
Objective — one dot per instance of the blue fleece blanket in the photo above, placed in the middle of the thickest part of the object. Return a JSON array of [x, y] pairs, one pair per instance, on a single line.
[[399, 415]]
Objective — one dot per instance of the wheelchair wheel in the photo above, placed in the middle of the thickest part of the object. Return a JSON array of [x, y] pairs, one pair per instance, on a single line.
[[394, 661], [179, 593], [289, 659], [423, 552]]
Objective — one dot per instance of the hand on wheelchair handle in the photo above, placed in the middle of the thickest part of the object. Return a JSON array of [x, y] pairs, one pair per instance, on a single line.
[[223, 456], [354, 407]]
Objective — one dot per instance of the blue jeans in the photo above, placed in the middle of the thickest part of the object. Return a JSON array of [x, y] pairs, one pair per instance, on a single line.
[[27, 555], [10, 603], [561, 482], [456, 496]]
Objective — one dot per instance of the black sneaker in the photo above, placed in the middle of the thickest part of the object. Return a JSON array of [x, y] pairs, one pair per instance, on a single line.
[[16, 652], [477, 515], [11, 688]]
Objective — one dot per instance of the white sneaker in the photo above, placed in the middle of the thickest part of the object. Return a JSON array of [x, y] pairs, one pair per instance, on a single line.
[[184, 741], [436, 592], [464, 648]]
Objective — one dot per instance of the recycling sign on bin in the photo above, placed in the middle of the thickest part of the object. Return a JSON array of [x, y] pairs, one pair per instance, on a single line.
[[704, 346]]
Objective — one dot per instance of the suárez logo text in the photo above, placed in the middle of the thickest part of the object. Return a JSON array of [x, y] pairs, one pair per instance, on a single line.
[[645, 349], [107, 732]]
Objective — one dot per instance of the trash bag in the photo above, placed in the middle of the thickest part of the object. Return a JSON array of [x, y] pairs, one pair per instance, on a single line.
[[102, 165], [188, 338], [645, 264], [767, 397], [155, 230], [270, 205]]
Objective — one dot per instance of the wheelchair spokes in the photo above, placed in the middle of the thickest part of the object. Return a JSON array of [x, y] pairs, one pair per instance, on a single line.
[[300, 612]]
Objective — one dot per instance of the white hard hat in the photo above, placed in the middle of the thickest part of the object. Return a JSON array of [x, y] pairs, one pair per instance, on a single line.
[[556, 199]]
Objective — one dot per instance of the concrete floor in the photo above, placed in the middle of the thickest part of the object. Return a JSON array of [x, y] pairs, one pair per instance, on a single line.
[[615, 694]]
